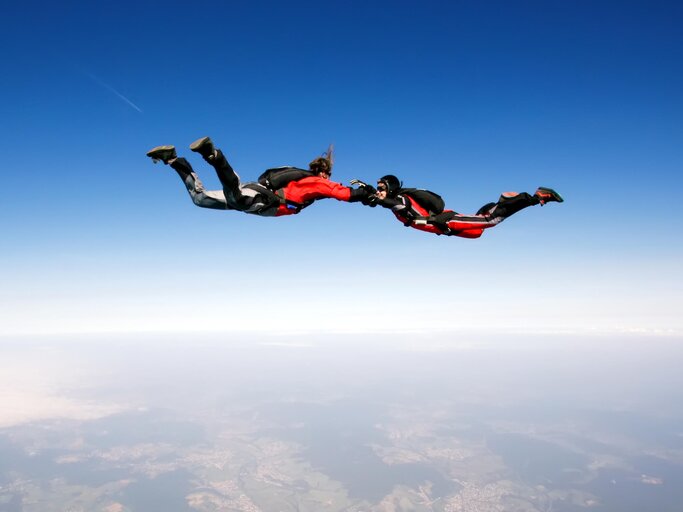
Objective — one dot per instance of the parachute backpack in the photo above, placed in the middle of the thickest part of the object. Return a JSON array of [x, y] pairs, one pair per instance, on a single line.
[[279, 177], [430, 201]]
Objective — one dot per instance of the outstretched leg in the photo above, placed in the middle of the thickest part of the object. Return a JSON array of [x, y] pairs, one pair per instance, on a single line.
[[246, 198], [508, 204], [214, 199], [512, 202], [226, 174], [492, 214]]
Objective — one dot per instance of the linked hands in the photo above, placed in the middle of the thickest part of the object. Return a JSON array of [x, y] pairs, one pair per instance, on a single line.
[[370, 191]]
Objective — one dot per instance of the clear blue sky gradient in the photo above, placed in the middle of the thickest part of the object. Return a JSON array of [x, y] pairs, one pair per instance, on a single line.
[[468, 99]]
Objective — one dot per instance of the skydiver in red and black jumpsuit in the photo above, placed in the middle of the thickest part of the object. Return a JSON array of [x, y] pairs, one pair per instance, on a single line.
[[389, 194], [252, 197]]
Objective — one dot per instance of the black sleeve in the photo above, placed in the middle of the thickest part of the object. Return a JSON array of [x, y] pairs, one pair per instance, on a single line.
[[398, 204], [358, 194], [390, 202]]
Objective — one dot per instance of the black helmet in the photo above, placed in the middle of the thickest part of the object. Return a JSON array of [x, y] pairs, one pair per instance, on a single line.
[[392, 182]]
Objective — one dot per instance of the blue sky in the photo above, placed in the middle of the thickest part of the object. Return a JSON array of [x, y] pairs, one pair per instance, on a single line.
[[468, 99]]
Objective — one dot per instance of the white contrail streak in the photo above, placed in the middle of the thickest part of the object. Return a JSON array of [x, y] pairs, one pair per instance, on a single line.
[[111, 89]]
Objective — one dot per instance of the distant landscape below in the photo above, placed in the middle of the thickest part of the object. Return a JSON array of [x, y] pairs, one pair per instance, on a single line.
[[332, 422]]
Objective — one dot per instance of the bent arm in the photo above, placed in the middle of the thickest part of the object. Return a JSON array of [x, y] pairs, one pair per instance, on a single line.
[[399, 204]]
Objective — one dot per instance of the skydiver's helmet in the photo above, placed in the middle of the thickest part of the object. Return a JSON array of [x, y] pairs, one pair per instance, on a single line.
[[323, 164], [392, 183]]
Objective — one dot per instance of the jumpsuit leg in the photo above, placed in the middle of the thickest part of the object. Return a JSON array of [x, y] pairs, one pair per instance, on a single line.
[[510, 203], [232, 188], [489, 215], [214, 199]]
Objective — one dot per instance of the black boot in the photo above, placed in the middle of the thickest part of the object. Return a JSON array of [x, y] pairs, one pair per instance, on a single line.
[[547, 195]]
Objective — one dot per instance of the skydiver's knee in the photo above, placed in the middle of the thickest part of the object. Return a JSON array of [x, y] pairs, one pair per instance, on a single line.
[[203, 201]]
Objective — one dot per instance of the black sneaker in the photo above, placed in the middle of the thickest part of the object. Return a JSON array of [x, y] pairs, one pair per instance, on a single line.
[[204, 147], [162, 153], [548, 195]]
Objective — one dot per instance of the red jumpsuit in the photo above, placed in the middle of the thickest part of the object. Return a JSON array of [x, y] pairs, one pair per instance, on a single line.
[[448, 222]]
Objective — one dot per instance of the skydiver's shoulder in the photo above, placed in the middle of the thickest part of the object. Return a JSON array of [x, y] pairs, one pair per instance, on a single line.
[[319, 179]]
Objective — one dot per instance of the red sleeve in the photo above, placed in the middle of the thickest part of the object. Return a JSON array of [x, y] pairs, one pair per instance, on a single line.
[[311, 188]]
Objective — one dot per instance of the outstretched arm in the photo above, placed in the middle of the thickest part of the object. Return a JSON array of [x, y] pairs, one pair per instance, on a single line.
[[312, 188], [366, 194]]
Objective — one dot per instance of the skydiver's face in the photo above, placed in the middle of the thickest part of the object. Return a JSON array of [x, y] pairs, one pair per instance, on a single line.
[[381, 190]]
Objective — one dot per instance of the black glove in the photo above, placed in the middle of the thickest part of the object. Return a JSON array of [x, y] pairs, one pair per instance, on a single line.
[[361, 184], [367, 192], [409, 217], [370, 189]]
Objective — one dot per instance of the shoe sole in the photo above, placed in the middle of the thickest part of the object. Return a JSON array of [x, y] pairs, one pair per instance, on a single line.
[[159, 149], [162, 154], [199, 143]]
